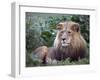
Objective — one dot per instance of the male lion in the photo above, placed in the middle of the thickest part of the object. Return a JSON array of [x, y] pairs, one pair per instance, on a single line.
[[68, 43]]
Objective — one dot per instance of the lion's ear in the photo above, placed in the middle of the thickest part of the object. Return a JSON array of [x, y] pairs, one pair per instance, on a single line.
[[60, 26], [76, 27]]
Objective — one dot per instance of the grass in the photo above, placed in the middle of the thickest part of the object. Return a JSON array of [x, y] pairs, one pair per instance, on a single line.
[[30, 62]]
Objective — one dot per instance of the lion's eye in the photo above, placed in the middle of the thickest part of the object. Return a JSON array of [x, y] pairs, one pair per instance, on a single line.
[[62, 31]]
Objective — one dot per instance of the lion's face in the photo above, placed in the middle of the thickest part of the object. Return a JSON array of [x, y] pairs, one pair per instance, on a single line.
[[66, 32], [65, 37]]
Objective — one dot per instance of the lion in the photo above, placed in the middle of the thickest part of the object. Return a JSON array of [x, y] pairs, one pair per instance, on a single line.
[[69, 43]]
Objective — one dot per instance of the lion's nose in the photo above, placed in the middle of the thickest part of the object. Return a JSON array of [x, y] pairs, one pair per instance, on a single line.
[[63, 39]]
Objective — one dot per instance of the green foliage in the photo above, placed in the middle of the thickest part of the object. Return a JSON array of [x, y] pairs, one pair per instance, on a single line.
[[41, 30], [36, 62]]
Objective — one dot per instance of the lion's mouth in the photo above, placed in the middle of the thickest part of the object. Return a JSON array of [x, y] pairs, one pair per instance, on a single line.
[[64, 44]]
